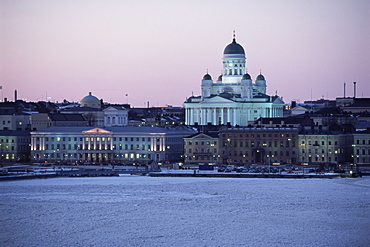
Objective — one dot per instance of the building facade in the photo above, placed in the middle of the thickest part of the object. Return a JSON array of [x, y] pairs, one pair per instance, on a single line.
[[253, 145], [234, 98], [202, 148], [129, 144], [323, 146], [115, 116], [14, 146], [361, 147]]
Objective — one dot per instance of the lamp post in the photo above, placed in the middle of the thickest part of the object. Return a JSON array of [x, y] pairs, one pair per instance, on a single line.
[[269, 157]]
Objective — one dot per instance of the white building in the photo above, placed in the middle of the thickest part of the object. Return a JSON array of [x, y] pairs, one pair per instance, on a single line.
[[99, 115], [126, 144], [115, 116], [234, 98]]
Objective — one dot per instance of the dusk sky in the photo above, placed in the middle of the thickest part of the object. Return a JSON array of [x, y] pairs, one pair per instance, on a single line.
[[158, 51]]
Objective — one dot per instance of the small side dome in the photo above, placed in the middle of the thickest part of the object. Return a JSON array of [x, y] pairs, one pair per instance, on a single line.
[[207, 77], [246, 77], [260, 77], [219, 78]]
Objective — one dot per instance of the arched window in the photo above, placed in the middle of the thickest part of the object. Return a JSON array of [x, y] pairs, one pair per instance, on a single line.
[[113, 120], [108, 120]]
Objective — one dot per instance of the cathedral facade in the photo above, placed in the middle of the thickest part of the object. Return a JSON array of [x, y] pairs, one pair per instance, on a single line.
[[234, 98]]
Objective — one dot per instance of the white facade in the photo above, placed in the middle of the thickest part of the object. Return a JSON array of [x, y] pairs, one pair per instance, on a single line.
[[115, 116], [108, 144], [233, 99]]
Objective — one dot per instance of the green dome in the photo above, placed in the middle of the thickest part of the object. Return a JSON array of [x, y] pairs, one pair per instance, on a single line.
[[260, 77], [246, 77], [207, 77], [234, 48]]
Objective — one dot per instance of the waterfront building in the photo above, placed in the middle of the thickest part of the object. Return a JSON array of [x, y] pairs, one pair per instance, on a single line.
[[202, 148], [252, 145], [125, 144], [361, 147], [14, 146], [320, 145], [234, 98]]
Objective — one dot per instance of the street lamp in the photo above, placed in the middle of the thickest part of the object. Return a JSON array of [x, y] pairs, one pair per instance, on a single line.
[[269, 157]]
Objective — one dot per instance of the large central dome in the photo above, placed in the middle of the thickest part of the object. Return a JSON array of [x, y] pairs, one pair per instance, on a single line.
[[234, 48]]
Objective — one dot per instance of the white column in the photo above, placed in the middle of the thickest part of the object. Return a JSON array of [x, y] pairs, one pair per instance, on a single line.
[[229, 116], [214, 111], [191, 116], [235, 110], [187, 116], [33, 143], [222, 115], [209, 115]]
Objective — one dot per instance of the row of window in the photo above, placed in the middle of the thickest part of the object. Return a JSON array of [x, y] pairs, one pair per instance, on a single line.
[[97, 147], [362, 151], [259, 135], [214, 143], [322, 151], [317, 142], [113, 120], [202, 150], [288, 143], [363, 142], [271, 153], [99, 139], [78, 156]]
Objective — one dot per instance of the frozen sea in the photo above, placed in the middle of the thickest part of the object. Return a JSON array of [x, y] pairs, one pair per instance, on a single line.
[[161, 211]]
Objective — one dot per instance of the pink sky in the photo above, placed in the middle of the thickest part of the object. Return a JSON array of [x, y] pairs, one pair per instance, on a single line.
[[158, 51]]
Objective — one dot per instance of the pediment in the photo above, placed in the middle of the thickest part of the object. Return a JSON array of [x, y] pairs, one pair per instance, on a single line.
[[278, 100], [97, 131], [299, 108], [203, 136], [110, 109], [217, 100]]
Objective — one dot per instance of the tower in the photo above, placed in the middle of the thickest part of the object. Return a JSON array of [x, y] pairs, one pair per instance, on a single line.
[[234, 62]]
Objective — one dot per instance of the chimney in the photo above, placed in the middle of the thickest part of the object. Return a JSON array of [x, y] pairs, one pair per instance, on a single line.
[[354, 89], [344, 90], [15, 95]]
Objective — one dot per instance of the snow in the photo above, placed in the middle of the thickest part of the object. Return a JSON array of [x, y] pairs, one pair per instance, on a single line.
[[175, 211]]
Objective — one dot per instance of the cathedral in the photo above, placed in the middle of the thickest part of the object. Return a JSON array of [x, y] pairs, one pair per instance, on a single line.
[[234, 98]]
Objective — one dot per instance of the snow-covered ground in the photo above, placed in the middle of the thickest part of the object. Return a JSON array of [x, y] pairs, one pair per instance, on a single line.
[[166, 211]]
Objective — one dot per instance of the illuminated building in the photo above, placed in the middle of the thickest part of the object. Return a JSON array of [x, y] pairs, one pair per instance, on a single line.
[[129, 144], [233, 99], [14, 146], [246, 145], [324, 146], [361, 146], [201, 148]]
